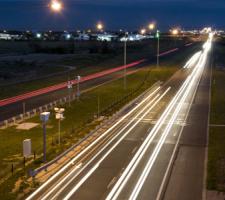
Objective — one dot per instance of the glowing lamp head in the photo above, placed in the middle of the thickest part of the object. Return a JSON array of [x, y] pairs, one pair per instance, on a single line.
[[175, 31], [99, 26], [56, 6], [143, 31], [151, 26]]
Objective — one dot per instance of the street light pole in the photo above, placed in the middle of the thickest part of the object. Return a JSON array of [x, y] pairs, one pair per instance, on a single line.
[[158, 53], [157, 36], [125, 62], [44, 141]]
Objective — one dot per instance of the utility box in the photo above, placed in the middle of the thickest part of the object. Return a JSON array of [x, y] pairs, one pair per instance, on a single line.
[[27, 148]]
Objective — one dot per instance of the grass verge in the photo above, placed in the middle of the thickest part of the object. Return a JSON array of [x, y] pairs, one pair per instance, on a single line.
[[216, 150], [85, 64]]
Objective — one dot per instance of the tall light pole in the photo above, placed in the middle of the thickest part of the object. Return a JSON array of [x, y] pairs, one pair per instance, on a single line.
[[125, 61], [44, 117], [157, 36]]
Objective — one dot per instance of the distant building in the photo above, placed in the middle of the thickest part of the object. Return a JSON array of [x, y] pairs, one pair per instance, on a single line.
[[106, 37], [133, 37], [11, 35], [5, 36], [83, 36]]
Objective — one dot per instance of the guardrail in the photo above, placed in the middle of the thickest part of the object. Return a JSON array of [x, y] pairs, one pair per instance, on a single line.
[[34, 112], [109, 120]]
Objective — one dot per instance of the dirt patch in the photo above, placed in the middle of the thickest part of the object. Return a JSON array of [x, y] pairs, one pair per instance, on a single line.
[[26, 126]]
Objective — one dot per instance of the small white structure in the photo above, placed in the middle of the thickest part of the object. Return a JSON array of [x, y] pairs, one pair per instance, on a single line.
[[133, 37], [44, 117], [5, 36], [27, 148], [106, 37]]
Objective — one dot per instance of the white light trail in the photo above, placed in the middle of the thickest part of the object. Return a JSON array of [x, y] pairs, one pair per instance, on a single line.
[[184, 91], [195, 80], [91, 145], [63, 185], [113, 147], [142, 150], [193, 60], [162, 139]]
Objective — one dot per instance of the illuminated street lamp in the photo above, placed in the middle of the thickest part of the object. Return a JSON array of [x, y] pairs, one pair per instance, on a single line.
[[56, 5], [175, 32], [99, 26], [151, 26]]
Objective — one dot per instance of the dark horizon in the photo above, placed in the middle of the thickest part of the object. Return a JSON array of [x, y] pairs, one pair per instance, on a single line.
[[35, 15]]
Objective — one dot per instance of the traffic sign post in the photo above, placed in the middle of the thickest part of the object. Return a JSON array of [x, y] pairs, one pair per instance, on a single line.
[[78, 86], [157, 36]]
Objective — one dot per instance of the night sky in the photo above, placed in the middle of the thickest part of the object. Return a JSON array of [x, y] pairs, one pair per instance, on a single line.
[[115, 14]]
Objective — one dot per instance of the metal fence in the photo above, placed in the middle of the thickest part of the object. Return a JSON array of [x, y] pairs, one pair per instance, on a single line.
[[107, 121], [34, 112]]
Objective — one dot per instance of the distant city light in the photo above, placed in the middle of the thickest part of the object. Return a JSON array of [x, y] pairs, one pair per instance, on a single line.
[[175, 31], [56, 5], [38, 35], [143, 31], [68, 36]]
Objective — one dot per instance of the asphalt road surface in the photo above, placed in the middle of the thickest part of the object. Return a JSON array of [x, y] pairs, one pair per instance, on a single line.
[[130, 160]]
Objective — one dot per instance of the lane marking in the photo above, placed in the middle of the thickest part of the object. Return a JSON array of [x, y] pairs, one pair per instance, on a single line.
[[91, 145], [111, 149]]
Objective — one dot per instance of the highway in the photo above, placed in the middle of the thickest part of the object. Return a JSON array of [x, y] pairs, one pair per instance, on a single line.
[[131, 159], [13, 106]]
